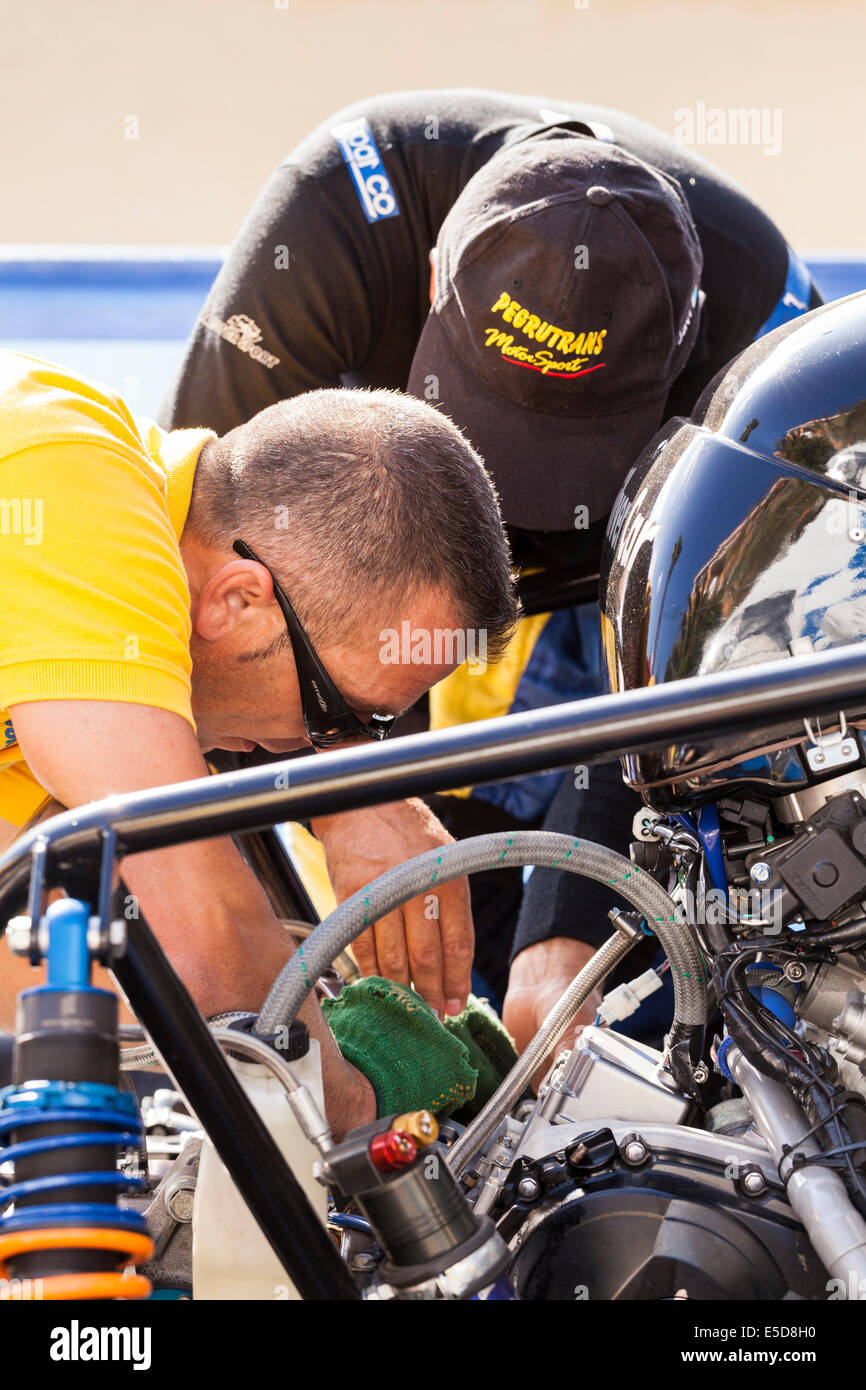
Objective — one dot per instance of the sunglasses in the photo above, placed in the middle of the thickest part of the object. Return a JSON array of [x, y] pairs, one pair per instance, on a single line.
[[328, 720]]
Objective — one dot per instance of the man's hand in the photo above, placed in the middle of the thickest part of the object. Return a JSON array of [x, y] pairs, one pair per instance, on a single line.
[[429, 942], [538, 977]]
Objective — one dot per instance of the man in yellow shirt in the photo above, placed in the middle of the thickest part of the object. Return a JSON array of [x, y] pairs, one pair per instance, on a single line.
[[157, 588]]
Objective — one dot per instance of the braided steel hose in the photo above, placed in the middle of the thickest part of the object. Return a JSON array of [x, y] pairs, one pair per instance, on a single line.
[[477, 855]]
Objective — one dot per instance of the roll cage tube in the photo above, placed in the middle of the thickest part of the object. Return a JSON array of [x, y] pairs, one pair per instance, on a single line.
[[92, 838], [775, 694]]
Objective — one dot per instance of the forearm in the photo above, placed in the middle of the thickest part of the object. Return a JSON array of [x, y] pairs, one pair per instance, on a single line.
[[229, 948], [213, 920]]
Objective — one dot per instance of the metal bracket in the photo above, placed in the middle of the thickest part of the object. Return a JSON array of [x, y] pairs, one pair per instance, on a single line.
[[830, 750]]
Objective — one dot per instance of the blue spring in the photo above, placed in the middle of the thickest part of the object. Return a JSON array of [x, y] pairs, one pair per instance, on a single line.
[[62, 1102]]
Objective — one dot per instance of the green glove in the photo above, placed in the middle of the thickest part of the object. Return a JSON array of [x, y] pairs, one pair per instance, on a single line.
[[396, 1040], [490, 1047]]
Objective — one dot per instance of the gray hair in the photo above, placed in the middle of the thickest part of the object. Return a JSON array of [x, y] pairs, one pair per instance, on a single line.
[[356, 496]]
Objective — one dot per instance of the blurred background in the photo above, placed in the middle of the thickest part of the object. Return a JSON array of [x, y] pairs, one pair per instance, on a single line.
[[134, 134]]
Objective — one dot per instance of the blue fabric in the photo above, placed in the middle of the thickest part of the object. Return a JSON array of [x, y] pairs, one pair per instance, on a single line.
[[565, 665], [794, 299], [483, 990], [88, 293]]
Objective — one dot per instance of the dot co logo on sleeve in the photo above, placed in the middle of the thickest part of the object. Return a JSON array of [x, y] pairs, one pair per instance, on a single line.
[[360, 151]]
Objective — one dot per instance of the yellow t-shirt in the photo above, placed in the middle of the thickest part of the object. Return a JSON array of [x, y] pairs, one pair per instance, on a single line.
[[94, 595], [467, 695]]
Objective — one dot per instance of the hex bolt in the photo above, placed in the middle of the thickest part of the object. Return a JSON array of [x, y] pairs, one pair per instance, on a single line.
[[701, 1073], [760, 872], [529, 1187], [363, 1262], [634, 1151], [179, 1203], [795, 971], [754, 1182]]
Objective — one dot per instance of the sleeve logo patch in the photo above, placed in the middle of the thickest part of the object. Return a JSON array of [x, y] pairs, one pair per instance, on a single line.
[[361, 153], [242, 332]]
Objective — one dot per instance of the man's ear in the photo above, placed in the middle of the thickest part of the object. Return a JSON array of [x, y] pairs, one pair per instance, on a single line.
[[236, 595], [432, 274]]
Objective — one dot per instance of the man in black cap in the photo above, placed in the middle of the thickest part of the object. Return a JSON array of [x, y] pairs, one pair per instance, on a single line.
[[566, 305], [591, 276]]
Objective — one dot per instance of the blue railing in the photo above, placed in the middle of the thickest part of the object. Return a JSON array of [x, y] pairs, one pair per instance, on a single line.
[[103, 293], [123, 314]]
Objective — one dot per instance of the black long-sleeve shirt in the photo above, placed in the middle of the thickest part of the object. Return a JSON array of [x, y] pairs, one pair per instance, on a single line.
[[327, 282]]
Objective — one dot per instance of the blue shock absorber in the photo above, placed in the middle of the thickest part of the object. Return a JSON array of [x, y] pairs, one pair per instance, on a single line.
[[63, 1123]]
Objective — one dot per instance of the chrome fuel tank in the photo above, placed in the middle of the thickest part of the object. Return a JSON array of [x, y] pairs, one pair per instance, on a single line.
[[740, 538]]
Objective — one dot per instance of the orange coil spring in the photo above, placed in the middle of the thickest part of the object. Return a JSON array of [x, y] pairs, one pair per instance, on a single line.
[[128, 1246]]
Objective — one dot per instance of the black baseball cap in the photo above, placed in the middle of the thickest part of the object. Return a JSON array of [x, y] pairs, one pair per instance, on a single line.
[[567, 302]]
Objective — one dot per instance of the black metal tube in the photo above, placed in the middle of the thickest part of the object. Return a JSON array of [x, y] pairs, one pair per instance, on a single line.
[[490, 750], [264, 1179], [269, 860]]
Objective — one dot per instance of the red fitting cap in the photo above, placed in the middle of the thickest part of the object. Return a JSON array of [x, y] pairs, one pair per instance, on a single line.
[[391, 1150]]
